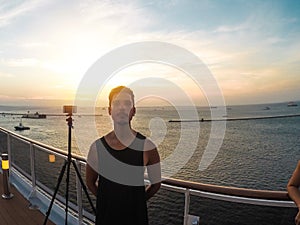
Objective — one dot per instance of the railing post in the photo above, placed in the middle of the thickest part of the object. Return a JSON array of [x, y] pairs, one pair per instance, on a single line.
[[33, 199], [186, 206], [32, 166], [6, 180], [5, 170], [79, 195], [8, 147]]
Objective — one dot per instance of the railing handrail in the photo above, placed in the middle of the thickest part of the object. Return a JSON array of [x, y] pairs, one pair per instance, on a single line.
[[229, 190], [40, 144]]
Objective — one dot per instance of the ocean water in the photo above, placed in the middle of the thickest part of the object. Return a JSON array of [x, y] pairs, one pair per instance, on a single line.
[[259, 153]]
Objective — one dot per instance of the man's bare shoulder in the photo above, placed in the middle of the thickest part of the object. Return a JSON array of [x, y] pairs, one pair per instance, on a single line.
[[93, 146], [150, 153], [149, 145]]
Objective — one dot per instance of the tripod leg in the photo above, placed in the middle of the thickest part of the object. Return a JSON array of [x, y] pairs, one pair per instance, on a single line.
[[67, 192], [83, 186], [55, 192]]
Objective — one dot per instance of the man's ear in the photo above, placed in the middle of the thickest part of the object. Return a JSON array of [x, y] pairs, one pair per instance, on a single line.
[[109, 110]]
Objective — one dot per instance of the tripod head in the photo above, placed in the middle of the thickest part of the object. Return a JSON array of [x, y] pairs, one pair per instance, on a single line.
[[69, 109]]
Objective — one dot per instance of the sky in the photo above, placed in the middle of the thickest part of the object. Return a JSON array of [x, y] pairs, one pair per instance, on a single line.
[[251, 48]]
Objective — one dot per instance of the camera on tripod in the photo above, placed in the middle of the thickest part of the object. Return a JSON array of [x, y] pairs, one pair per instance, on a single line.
[[69, 109]]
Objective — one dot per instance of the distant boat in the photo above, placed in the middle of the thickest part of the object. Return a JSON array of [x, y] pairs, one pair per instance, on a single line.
[[34, 116], [21, 127], [291, 104], [267, 108]]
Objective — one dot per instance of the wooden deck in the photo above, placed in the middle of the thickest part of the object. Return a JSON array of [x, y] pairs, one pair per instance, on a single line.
[[16, 211]]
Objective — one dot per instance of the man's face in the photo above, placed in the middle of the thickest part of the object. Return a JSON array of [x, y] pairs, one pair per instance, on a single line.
[[122, 109]]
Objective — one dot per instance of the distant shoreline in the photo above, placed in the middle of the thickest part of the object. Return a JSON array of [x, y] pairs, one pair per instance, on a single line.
[[233, 119]]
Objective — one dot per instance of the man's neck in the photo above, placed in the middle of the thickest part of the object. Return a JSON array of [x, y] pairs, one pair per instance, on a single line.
[[124, 133]]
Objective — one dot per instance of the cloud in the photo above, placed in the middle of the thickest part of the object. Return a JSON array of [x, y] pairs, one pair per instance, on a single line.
[[31, 45], [117, 15], [10, 11], [25, 62], [226, 29]]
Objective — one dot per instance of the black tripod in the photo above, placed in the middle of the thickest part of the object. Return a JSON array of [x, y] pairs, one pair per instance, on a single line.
[[67, 165]]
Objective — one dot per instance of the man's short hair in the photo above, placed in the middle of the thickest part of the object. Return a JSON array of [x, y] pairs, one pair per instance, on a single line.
[[118, 90]]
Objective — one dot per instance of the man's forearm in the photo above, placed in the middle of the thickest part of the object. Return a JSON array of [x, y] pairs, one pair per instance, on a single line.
[[151, 190], [93, 188], [294, 194]]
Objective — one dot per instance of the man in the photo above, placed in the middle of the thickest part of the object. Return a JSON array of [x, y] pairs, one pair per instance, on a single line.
[[115, 166], [294, 191]]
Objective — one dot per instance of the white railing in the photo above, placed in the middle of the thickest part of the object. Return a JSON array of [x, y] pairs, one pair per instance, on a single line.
[[25, 178]]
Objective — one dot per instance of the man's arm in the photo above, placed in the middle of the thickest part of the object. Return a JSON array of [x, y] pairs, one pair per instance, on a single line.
[[293, 190], [152, 162], [151, 190], [91, 179], [293, 186], [91, 169]]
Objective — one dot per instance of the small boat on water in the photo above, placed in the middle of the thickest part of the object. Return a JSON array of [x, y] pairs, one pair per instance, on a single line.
[[291, 104], [21, 127], [34, 116]]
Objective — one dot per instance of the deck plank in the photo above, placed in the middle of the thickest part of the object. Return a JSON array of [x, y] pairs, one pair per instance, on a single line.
[[16, 210]]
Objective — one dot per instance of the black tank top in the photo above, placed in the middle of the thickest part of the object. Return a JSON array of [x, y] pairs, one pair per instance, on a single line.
[[121, 200]]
